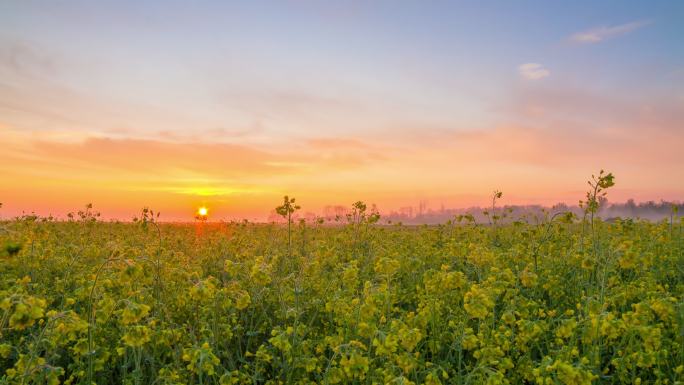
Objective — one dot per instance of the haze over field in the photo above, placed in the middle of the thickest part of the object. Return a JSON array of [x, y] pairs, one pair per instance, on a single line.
[[179, 104]]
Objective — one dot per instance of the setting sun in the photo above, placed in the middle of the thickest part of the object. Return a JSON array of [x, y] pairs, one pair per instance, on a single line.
[[202, 211]]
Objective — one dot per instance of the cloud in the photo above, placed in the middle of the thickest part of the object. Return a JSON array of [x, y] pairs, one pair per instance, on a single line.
[[147, 164], [533, 71], [26, 59], [337, 143], [599, 34]]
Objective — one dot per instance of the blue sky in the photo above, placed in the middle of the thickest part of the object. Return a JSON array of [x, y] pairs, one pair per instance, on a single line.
[[402, 78]]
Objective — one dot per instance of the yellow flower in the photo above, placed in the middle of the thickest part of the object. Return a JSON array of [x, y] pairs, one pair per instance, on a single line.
[[528, 278], [201, 360], [470, 341], [260, 273], [477, 302], [386, 344], [5, 350], [350, 275], [231, 268], [432, 379], [136, 336], [566, 328], [243, 300], [281, 340], [133, 313], [263, 355], [409, 337], [663, 308], [571, 375], [651, 338], [406, 362], [26, 312], [354, 365], [508, 317], [203, 290], [386, 266]]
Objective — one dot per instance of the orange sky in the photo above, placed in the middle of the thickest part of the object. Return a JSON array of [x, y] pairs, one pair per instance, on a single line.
[[228, 109], [56, 175]]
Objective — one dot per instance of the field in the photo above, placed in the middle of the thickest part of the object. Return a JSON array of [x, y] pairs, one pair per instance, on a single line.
[[539, 301]]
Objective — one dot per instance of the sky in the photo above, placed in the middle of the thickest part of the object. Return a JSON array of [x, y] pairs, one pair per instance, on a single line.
[[178, 104]]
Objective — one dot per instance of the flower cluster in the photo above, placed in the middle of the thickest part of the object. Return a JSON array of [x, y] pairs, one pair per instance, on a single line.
[[242, 303]]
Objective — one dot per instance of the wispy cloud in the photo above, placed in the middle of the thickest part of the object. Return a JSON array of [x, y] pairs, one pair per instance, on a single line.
[[26, 59], [599, 34], [533, 71]]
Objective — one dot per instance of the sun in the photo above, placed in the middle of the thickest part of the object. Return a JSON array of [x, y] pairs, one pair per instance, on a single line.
[[202, 211]]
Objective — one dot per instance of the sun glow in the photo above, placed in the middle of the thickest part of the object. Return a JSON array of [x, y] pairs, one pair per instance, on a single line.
[[203, 211]]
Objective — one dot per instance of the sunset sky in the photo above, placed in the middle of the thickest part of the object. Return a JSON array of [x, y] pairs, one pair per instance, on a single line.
[[177, 104]]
